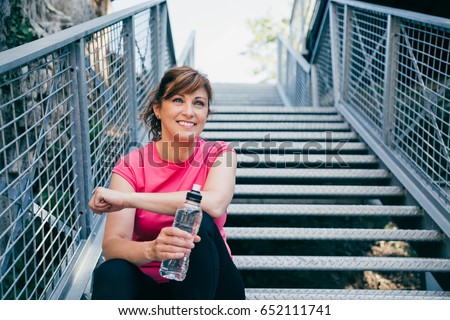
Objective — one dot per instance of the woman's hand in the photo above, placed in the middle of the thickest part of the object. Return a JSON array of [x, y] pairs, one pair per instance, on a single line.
[[172, 243], [108, 200]]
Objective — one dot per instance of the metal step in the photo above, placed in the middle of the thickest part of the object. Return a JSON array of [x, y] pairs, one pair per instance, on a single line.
[[275, 117], [265, 233], [299, 147], [276, 126], [272, 110], [306, 160], [323, 210], [343, 294], [341, 263], [314, 191], [312, 136], [318, 175]]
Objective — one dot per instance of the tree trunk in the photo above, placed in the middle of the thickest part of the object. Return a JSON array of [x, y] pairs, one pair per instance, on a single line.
[[22, 21]]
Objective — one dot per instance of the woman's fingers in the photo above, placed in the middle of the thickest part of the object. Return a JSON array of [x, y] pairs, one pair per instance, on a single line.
[[173, 243], [106, 200]]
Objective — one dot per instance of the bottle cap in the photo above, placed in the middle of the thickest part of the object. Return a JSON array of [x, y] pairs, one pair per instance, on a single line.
[[194, 194]]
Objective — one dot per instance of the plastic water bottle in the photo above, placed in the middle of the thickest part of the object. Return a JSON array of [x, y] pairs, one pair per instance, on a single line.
[[188, 218]]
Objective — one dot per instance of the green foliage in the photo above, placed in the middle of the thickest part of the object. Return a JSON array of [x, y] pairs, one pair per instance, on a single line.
[[263, 48], [18, 27]]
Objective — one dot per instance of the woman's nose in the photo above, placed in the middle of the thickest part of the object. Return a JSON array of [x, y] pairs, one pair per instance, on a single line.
[[188, 108]]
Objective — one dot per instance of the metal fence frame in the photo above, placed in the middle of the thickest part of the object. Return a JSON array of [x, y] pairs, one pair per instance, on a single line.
[[392, 83], [294, 76], [68, 110], [387, 71]]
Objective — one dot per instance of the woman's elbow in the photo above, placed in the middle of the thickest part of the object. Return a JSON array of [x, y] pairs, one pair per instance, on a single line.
[[215, 212]]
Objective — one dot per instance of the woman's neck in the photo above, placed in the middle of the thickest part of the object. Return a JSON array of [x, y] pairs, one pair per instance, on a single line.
[[175, 151]]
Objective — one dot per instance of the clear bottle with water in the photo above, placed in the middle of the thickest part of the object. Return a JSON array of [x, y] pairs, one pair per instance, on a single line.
[[188, 218]]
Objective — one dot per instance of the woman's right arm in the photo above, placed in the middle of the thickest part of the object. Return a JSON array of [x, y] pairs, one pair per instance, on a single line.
[[171, 243]]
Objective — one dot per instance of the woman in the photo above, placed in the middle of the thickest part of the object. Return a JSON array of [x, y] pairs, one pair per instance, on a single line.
[[148, 185]]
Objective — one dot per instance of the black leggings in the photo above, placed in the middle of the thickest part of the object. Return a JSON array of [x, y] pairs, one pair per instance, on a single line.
[[211, 275]]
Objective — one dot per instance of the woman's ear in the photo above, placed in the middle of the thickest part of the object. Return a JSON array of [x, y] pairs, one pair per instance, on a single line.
[[156, 110]]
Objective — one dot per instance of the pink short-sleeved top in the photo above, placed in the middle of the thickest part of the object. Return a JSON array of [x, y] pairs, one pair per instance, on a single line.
[[147, 172]]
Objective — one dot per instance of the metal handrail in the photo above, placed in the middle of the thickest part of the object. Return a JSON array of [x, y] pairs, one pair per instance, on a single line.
[[187, 56], [21, 55]]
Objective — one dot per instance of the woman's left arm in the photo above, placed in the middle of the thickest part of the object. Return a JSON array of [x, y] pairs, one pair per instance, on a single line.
[[217, 193]]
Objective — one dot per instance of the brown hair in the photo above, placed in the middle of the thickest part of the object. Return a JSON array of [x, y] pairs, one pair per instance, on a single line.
[[179, 80]]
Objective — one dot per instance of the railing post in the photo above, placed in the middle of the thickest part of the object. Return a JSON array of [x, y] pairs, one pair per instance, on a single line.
[[390, 67], [82, 156], [154, 25], [335, 64], [314, 86], [279, 60], [163, 39], [346, 50], [128, 26]]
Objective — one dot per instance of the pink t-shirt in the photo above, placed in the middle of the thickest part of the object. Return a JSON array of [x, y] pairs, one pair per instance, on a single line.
[[147, 172]]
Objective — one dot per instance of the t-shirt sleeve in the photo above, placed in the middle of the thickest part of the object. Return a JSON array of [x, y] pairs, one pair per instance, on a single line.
[[216, 149], [127, 166]]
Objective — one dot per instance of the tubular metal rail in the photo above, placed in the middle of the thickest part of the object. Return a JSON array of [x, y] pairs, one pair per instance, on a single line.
[[68, 110]]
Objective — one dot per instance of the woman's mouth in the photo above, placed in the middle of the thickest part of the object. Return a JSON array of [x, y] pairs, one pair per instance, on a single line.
[[186, 124]]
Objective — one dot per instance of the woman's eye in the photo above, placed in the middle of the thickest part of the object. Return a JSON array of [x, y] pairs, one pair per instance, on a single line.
[[177, 100], [199, 103]]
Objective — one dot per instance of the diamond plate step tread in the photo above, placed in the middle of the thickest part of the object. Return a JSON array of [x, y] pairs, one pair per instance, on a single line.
[[341, 263], [342, 294], [269, 233], [324, 210], [276, 126], [313, 159], [312, 136], [298, 174], [298, 147], [275, 117], [272, 110], [246, 190]]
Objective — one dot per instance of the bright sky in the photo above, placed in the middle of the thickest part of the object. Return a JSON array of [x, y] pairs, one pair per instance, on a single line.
[[221, 32]]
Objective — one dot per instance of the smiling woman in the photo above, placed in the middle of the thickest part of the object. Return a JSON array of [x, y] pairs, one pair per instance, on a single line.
[[181, 101], [148, 185]]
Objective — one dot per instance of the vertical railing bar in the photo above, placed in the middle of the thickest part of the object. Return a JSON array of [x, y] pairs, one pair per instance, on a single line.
[[314, 86], [335, 65], [347, 42], [154, 22], [163, 24], [390, 69], [129, 43], [82, 142]]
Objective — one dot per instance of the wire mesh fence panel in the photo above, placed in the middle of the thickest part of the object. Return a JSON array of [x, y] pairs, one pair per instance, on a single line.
[[146, 77], [39, 216], [294, 75], [107, 95], [367, 52], [66, 115], [324, 68], [421, 124], [402, 92]]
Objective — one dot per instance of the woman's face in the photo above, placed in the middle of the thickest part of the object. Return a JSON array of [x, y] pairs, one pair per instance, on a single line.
[[183, 116]]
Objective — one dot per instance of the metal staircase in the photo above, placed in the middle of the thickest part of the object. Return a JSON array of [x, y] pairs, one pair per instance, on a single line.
[[311, 200]]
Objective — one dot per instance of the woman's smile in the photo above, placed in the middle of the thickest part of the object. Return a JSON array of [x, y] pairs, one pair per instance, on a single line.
[[186, 124]]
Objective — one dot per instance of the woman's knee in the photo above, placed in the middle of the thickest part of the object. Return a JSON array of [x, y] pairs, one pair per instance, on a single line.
[[113, 270], [207, 225]]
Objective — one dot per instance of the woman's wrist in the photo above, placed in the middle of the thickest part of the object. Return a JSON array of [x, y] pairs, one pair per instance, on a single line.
[[149, 250]]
